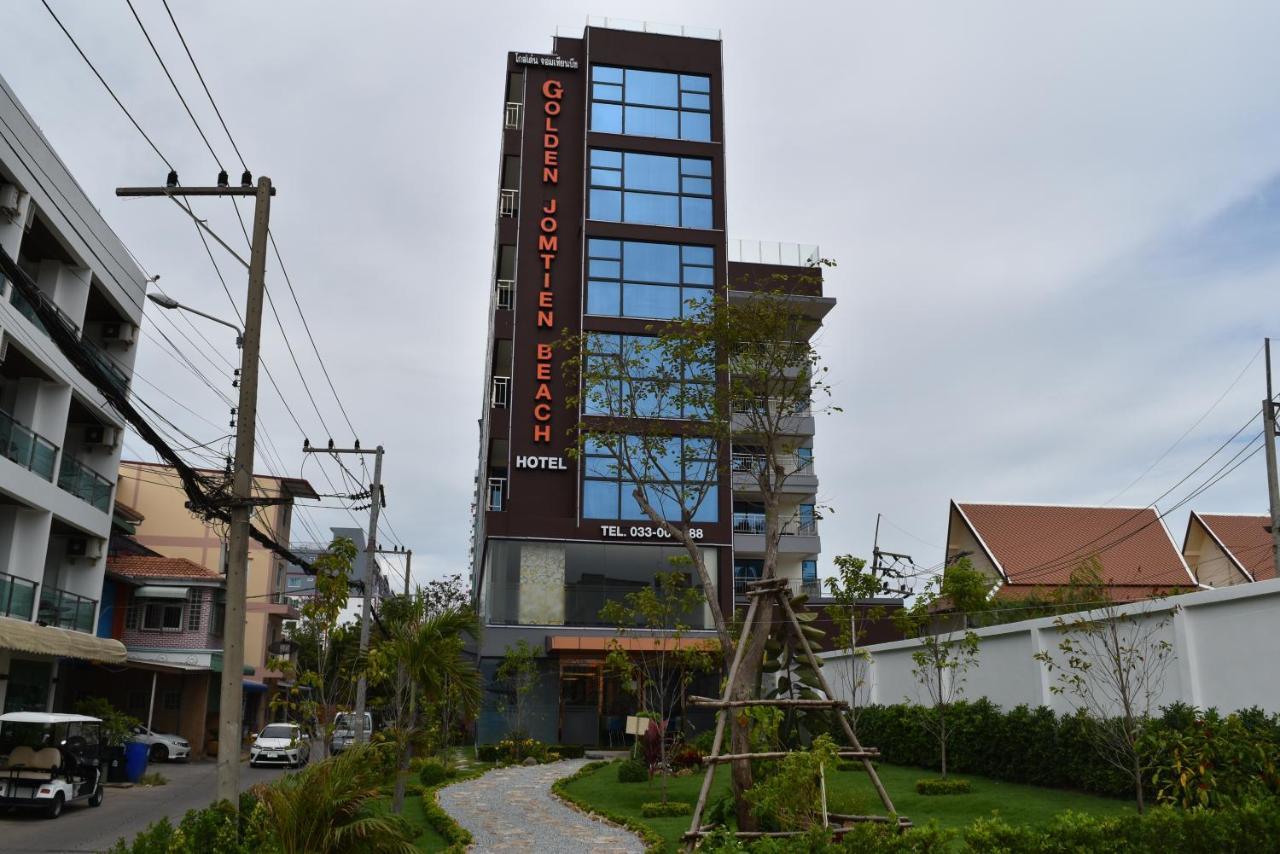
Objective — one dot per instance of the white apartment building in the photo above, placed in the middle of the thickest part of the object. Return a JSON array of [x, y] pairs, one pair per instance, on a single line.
[[60, 440]]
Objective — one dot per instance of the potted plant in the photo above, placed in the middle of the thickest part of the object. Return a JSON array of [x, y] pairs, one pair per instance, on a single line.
[[117, 731]]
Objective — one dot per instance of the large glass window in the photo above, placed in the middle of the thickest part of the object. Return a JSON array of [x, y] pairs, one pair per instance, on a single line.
[[650, 103], [628, 278], [633, 376], [650, 189], [679, 475]]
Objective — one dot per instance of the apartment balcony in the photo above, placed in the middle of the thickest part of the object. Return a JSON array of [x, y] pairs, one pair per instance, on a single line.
[[799, 536], [26, 447], [500, 393], [108, 364], [508, 202], [796, 421], [496, 494], [505, 292], [17, 596], [799, 477], [85, 483], [796, 586], [279, 604], [66, 610], [512, 115], [27, 310]]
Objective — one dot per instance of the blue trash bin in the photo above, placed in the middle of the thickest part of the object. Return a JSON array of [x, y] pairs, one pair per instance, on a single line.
[[135, 761]]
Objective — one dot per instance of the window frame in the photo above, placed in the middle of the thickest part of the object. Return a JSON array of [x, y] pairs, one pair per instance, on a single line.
[[688, 289], [696, 86], [601, 176], [707, 511]]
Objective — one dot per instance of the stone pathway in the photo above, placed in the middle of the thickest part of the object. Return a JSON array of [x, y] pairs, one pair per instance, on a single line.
[[512, 809]]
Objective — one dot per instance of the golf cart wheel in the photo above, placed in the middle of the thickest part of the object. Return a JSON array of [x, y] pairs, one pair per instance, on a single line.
[[55, 809], [95, 800], [158, 753]]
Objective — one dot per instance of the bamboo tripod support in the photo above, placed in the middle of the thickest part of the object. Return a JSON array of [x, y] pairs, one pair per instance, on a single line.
[[777, 589]]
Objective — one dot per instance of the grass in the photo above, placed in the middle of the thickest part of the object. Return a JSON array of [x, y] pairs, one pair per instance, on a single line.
[[852, 792], [429, 821]]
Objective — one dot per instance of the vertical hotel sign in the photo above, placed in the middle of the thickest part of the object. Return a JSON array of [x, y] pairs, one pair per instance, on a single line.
[[548, 248]]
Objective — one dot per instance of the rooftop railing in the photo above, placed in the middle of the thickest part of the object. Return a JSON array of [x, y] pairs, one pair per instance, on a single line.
[[85, 483], [634, 26], [66, 610], [773, 252], [26, 447]]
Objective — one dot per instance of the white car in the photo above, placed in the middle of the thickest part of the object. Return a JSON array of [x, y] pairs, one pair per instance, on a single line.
[[344, 730], [49, 760], [280, 744], [163, 746]]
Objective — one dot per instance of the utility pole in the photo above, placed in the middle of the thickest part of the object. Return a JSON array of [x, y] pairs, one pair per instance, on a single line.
[[1273, 488], [231, 701], [370, 569]]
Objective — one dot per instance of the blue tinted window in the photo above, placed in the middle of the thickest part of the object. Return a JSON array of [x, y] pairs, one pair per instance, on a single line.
[[647, 281], [677, 481], [631, 377], [809, 570], [660, 190], [650, 103]]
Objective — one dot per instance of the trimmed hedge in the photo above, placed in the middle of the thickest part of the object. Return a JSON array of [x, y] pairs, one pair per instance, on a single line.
[[432, 773], [570, 751], [942, 786], [487, 752], [653, 841], [633, 771], [661, 810]]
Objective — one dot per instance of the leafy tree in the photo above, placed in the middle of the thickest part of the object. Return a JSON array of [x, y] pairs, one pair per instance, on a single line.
[[659, 408], [518, 671], [852, 585], [946, 653], [658, 666], [323, 668], [1113, 663]]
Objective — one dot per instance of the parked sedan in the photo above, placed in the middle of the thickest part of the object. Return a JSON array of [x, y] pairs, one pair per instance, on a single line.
[[280, 744], [163, 746]]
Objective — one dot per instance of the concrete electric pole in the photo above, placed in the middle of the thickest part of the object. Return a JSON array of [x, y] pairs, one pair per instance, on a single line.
[[231, 701], [370, 572], [1273, 488]]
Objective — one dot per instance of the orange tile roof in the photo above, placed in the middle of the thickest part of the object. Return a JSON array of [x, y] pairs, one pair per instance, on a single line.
[[1039, 545], [1247, 539], [144, 566]]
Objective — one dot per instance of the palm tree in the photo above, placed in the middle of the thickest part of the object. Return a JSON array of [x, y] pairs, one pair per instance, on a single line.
[[427, 649], [329, 808]]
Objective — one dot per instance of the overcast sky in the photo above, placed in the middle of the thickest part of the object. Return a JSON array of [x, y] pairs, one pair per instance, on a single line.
[[1055, 226]]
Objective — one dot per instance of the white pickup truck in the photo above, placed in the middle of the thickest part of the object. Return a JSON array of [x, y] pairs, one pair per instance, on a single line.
[[344, 730]]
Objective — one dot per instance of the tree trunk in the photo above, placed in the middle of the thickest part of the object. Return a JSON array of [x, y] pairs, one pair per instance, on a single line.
[[1137, 783], [747, 687], [406, 751]]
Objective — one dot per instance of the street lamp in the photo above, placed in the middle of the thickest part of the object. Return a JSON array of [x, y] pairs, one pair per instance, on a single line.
[[166, 301]]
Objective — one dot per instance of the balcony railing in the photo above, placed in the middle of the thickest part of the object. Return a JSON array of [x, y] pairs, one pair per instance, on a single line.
[[809, 587], [497, 493], [65, 610], [747, 463], [773, 252], [500, 397], [761, 404], [85, 483], [17, 596], [27, 310], [506, 290], [26, 447], [507, 202], [753, 523], [108, 364], [512, 114]]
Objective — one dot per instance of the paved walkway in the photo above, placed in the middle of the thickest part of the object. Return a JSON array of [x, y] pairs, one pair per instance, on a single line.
[[512, 809]]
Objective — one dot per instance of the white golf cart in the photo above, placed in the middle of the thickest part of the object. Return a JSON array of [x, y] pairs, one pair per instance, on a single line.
[[50, 760]]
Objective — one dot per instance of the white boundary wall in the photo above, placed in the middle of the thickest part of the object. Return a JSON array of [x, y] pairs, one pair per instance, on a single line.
[[1226, 648]]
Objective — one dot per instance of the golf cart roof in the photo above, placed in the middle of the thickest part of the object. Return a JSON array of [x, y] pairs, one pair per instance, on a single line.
[[45, 718]]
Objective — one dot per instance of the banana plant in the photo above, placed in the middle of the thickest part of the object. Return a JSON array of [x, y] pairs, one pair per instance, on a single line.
[[796, 677]]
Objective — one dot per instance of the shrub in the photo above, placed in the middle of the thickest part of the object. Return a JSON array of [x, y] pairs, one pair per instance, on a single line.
[[455, 834], [942, 786], [790, 797], [633, 771], [432, 773], [515, 749], [1211, 762], [670, 808], [702, 741], [487, 752], [214, 828], [687, 756]]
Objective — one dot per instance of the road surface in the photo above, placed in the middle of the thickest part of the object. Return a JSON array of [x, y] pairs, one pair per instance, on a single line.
[[124, 812]]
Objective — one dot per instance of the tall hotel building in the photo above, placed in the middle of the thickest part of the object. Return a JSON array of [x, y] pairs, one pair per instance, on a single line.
[[611, 216]]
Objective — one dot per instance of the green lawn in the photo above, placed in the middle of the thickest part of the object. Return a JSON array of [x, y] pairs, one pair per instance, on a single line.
[[851, 792]]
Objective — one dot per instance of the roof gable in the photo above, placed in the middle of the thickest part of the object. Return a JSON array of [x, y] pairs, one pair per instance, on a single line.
[[1044, 544], [1246, 539]]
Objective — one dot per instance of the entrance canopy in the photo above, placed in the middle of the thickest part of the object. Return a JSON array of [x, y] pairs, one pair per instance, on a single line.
[[605, 643], [63, 643]]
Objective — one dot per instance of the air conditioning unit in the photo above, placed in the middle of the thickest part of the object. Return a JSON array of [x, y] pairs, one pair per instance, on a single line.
[[101, 434], [119, 333], [10, 199], [87, 548]]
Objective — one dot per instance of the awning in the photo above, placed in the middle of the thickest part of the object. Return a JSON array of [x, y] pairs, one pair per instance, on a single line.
[[158, 592], [254, 687], [63, 643]]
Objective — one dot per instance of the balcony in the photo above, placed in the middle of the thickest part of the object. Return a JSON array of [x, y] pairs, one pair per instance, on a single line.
[[85, 483], [796, 420], [512, 115], [508, 201], [753, 523], [107, 364], [505, 291], [500, 394], [26, 447], [799, 536], [497, 494], [65, 610], [810, 587], [17, 596], [27, 310], [745, 469]]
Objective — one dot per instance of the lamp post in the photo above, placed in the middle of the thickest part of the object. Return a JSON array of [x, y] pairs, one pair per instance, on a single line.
[[166, 301]]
